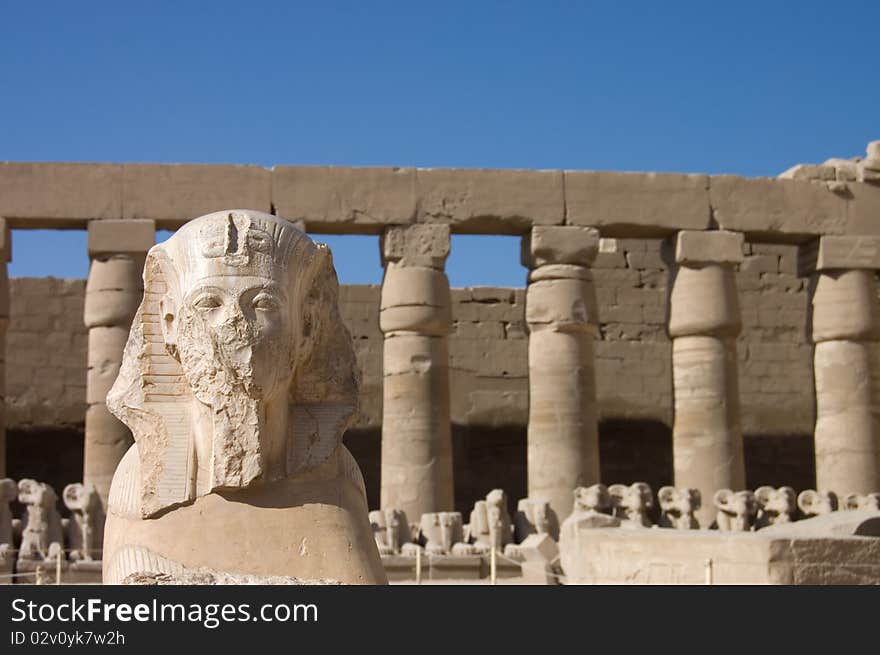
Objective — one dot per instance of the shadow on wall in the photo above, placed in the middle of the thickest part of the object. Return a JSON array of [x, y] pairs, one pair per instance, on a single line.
[[630, 450], [780, 460], [46, 454]]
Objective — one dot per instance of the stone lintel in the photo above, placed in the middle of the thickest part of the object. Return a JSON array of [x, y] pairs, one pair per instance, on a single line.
[[839, 252], [110, 237], [416, 245], [569, 244], [709, 247]]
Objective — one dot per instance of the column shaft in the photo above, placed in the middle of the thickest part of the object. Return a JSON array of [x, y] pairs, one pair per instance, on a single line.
[[704, 321], [563, 440], [5, 256], [415, 317], [113, 293], [846, 434]]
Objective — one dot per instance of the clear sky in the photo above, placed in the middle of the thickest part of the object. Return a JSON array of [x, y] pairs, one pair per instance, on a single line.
[[741, 87]]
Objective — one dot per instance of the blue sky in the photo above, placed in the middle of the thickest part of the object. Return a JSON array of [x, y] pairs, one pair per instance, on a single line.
[[747, 88]]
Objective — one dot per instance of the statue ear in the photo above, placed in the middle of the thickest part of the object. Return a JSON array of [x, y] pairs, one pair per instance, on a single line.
[[807, 500], [722, 498], [666, 496], [616, 493], [851, 501], [763, 494], [74, 496], [168, 321]]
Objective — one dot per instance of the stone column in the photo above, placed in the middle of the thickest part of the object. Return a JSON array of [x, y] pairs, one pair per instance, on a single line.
[[5, 258], [563, 442], [704, 321], [844, 323], [415, 316], [114, 290]]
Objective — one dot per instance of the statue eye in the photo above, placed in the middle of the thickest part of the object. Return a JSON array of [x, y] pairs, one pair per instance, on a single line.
[[265, 302], [207, 301]]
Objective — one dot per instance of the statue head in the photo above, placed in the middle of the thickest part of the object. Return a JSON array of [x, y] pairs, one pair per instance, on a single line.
[[238, 368]]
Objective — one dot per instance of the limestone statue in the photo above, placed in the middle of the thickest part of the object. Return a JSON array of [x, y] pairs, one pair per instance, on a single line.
[[737, 510], [392, 532], [8, 493], [42, 537], [443, 533], [86, 528], [632, 503], [815, 503], [591, 507], [864, 502], [490, 524], [678, 507], [237, 382], [775, 506], [534, 516]]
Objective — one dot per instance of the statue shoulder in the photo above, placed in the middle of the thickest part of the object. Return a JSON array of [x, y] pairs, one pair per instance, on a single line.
[[125, 489], [349, 469]]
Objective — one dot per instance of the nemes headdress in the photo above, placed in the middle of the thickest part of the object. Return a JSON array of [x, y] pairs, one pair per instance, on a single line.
[[151, 394]]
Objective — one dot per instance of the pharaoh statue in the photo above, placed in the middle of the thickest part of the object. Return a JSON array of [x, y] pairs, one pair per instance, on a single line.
[[237, 382]]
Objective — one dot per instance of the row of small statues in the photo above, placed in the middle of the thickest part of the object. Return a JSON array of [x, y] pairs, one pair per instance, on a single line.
[[41, 534], [736, 511], [618, 505]]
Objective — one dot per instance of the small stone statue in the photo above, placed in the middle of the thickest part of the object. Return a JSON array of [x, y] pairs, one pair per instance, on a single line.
[[392, 532], [678, 508], [864, 502], [534, 516], [632, 503], [8, 493], [86, 530], [737, 510], [490, 524], [775, 506], [42, 537], [443, 533], [815, 503], [238, 381]]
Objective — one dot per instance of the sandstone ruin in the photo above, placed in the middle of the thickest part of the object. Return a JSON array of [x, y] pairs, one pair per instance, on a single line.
[[682, 392]]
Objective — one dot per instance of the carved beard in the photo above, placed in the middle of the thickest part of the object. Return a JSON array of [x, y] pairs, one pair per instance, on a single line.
[[218, 363]]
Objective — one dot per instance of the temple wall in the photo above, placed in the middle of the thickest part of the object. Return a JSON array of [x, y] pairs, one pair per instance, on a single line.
[[46, 346]]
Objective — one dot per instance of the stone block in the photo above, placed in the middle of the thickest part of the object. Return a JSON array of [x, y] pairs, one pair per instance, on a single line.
[[664, 556], [708, 247], [110, 237], [490, 201], [173, 194], [839, 252], [656, 202], [766, 205], [59, 195], [416, 245], [334, 199], [568, 244]]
